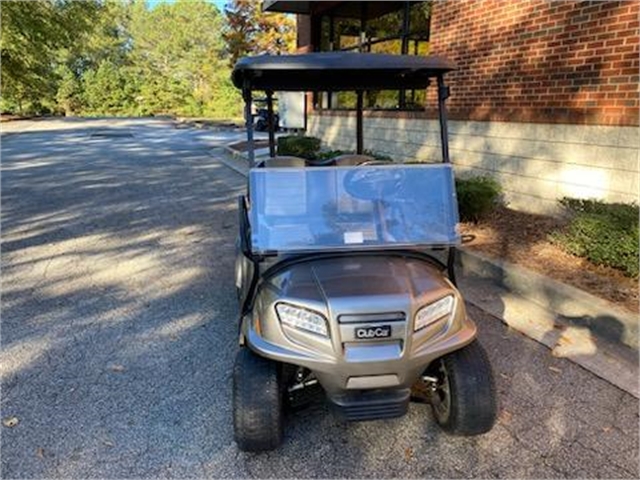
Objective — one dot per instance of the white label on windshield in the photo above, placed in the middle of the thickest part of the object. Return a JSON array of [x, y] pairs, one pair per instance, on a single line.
[[353, 237]]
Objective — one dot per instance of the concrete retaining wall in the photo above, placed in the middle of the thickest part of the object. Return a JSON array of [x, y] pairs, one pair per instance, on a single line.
[[535, 163]]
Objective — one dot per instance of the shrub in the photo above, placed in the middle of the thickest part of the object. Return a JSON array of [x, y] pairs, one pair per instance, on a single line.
[[604, 233], [305, 147], [477, 197]]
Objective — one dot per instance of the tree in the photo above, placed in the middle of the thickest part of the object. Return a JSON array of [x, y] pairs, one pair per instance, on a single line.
[[110, 89], [32, 35], [179, 51], [251, 31], [108, 41], [69, 94], [115, 57]]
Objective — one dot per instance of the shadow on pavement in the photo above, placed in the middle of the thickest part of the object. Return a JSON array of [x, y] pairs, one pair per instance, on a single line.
[[119, 332]]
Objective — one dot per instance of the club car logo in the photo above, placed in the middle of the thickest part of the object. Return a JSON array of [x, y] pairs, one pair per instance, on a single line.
[[365, 333]]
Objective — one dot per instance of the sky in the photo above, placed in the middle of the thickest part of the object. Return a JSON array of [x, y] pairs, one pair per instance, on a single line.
[[218, 3]]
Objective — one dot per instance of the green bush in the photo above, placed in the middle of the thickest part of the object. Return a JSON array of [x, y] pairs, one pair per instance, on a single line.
[[477, 197], [297, 146], [604, 233]]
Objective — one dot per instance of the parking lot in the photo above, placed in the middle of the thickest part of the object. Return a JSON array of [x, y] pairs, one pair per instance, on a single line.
[[119, 330]]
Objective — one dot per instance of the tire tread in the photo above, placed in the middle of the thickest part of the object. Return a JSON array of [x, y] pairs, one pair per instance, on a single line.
[[257, 403], [473, 398]]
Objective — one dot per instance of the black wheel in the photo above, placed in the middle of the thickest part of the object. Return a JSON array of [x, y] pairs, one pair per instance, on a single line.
[[464, 401], [257, 403]]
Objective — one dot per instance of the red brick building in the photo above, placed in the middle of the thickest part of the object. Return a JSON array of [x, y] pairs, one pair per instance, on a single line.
[[541, 61], [545, 97]]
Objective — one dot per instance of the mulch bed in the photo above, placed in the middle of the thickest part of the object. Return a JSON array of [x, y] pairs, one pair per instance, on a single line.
[[522, 238]]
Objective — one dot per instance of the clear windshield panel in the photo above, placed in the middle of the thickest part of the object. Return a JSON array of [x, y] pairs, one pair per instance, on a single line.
[[338, 208]]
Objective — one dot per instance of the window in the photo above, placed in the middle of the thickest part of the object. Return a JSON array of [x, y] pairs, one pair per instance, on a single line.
[[398, 28]]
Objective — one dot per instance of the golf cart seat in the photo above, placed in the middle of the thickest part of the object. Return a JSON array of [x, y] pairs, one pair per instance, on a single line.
[[283, 161], [350, 159]]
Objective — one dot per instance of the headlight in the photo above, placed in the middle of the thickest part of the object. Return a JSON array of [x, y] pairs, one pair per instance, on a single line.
[[434, 312], [302, 319]]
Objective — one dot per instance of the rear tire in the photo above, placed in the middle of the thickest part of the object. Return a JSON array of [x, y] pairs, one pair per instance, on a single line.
[[464, 401], [257, 403]]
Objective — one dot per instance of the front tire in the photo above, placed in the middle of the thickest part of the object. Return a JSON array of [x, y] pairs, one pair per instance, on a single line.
[[464, 401], [257, 403]]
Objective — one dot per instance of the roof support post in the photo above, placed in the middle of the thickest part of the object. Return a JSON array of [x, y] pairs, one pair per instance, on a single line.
[[402, 95], [362, 38], [359, 136], [331, 48], [248, 118], [443, 94], [271, 124]]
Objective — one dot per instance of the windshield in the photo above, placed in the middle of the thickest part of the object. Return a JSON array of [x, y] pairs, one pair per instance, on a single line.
[[337, 208]]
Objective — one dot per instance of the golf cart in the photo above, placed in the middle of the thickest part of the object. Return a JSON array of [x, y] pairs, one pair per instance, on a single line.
[[261, 117], [345, 268]]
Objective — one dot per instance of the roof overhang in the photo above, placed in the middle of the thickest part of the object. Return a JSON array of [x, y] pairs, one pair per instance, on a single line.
[[287, 7], [351, 9], [338, 71]]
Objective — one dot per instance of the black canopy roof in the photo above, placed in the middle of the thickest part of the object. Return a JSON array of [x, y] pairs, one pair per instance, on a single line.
[[338, 71]]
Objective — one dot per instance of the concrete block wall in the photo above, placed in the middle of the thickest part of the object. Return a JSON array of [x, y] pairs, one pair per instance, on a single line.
[[536, 164]]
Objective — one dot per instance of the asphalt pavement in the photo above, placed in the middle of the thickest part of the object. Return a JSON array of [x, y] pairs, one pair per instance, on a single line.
[[118, 335]]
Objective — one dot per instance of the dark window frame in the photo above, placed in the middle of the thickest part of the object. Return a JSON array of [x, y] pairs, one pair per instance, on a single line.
[[405, 34]]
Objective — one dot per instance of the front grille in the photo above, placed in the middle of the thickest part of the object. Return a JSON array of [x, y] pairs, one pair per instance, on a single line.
[[372, 405], [370, 412], [372, 317]]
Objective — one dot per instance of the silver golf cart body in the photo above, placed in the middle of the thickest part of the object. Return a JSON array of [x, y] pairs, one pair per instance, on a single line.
[[337, 269]]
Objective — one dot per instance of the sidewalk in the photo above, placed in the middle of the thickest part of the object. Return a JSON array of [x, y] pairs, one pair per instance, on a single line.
[[573, 324]]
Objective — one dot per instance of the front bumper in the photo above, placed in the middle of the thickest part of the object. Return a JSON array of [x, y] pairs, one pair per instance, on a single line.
[[357, 367], [372, 404]]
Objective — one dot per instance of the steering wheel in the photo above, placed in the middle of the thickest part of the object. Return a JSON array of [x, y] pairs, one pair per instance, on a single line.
[[374, 183]]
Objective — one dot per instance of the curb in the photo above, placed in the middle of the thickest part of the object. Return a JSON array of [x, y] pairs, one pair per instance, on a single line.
[[572, 306], [241, 169], [556, 315]]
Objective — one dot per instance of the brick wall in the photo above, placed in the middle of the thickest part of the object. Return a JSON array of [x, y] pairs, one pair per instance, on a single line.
[[541, 61]]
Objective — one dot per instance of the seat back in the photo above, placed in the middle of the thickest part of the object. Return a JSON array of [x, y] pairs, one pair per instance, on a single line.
[[283, 161], [351, 159]]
